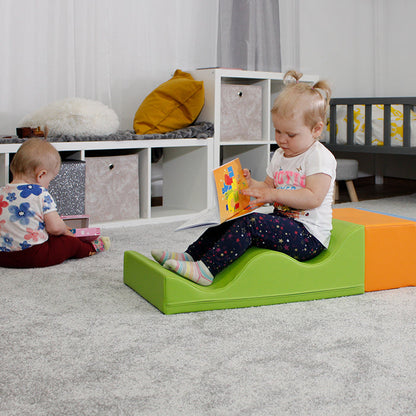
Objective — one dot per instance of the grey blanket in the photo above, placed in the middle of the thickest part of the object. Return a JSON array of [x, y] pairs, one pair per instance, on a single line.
[[200, 130]]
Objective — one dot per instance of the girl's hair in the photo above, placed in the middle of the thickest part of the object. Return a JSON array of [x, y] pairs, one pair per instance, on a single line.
[[35, 154], [314, 99]]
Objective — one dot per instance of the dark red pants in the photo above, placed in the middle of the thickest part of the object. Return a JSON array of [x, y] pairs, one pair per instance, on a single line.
[[54, 251]]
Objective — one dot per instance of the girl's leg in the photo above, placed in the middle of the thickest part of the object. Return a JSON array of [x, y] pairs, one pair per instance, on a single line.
[[196, 250], [273, 232], [19, 259], [54, 251], [63, 247], [162, 256], [195, 269], [192, 270], [207, 240], [260, 230]]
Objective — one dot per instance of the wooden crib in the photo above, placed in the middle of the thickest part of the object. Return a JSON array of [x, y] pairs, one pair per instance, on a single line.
[[373, 125], [379, 132]]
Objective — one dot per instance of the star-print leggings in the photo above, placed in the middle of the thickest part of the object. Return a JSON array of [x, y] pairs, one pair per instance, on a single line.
[[221, 245]]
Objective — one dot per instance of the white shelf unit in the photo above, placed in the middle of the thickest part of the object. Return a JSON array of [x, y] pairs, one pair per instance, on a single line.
[[185, 180], [254, 154], [187, 163]]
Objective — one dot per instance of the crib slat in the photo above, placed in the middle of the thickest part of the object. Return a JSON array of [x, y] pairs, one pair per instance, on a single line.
[[332, 124], [387, 125], [406, 125], [350, 124], [368, 124]]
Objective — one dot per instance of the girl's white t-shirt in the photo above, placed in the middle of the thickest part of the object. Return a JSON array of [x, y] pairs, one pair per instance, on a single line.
[[291, 173]]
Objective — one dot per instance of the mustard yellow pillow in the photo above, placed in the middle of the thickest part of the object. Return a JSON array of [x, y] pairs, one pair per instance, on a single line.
[[173, 105]]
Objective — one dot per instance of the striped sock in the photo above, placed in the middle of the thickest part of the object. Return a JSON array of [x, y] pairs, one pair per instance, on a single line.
[[192, 270], [161, 256]]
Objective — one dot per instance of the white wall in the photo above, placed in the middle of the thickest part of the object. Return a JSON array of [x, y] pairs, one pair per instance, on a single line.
[[170, 35], [363, 47], [117, 51], [114, 51]]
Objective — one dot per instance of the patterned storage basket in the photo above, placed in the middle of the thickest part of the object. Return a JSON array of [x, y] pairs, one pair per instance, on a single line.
[[241, 112], [112, 188]]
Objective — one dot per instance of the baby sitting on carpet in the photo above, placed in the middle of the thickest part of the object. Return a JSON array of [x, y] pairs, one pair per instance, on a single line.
[[32, 234]]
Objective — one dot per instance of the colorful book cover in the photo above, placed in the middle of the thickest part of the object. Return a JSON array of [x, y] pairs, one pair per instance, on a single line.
[[230, 203], [229, 182]]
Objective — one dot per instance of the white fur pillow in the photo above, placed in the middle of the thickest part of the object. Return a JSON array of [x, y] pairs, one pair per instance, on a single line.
[[74, 117]]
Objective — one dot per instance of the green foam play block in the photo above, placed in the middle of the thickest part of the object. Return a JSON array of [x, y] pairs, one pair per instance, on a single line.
[[259, 277]]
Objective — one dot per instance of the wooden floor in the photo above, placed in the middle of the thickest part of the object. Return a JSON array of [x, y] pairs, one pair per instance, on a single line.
[[367, 189]]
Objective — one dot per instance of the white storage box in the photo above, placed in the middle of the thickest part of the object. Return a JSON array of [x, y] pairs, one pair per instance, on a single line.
[[112, 188], [241, 112]]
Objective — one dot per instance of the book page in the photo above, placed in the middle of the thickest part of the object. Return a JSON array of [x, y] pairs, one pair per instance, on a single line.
[[206, 218]]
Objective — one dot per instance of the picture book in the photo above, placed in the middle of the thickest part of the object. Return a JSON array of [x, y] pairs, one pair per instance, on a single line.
[[87, 234], [76, 221], [80, 228], [229, 203]]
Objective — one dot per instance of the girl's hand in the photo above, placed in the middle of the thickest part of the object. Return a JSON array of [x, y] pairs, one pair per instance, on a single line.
[[309, 197], [261, 192], [247, 176], [260, 196]]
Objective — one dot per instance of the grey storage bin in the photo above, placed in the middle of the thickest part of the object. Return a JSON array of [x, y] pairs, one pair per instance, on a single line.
[[112, 188], [68, 188]]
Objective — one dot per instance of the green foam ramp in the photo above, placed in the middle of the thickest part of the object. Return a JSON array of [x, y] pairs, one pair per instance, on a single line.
[[259, 277]]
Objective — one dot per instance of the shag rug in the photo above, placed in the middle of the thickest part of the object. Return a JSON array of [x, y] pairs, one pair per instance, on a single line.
[[74, 340], [76, 116]]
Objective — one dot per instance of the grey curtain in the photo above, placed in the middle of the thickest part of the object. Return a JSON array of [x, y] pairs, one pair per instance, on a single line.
[[249, 35]]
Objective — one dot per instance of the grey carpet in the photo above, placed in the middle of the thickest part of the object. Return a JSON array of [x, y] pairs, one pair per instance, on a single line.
[[74, 340]]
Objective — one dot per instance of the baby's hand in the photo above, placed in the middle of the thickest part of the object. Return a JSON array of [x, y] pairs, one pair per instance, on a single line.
[[70, 232]]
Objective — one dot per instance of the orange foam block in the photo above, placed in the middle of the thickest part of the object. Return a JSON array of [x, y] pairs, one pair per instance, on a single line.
[[390, 248]]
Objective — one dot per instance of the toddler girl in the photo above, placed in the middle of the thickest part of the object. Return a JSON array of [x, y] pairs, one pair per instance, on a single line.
[[32, 234], [299, 183]]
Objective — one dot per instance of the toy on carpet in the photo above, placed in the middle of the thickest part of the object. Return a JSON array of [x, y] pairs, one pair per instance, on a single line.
[[79, 225]]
